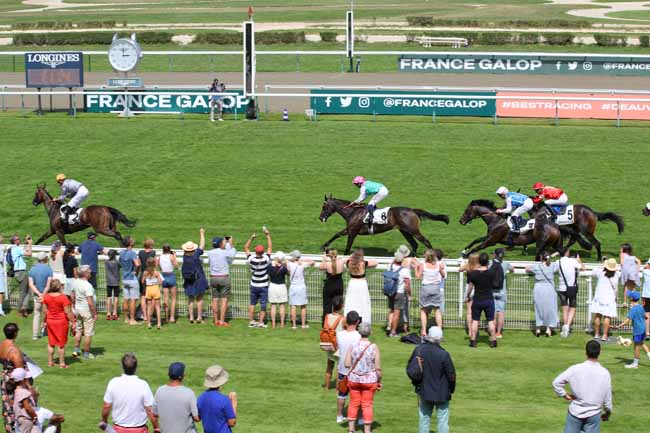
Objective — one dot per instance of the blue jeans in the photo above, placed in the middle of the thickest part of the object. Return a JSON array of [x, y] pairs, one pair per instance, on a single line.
[[442, 412], [582, 425]]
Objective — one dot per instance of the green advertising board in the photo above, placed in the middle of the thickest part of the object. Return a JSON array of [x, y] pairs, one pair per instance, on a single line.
[[507, 64], [160, 101], [424, 104]]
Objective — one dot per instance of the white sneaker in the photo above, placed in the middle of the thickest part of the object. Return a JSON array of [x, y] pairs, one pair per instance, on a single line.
[[633, 365], [340, 419], [262, 325], [252, 324], [2, 313], [211, 120], [648, 355], [565, 331], [220, 120]]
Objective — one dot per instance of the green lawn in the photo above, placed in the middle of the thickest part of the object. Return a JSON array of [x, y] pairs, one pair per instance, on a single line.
[[174, 175], [278, 376]]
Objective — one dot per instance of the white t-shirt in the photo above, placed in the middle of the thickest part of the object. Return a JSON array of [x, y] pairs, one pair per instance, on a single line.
[[296, 273], [404, 274], [345, 340], [606, 288], [128, 395], [646, 283], [82, 289], [569, 266]]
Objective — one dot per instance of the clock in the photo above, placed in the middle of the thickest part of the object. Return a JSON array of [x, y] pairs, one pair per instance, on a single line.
[[124, 54]]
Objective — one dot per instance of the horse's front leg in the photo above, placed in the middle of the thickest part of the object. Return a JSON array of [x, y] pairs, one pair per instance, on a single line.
[[484, 244], [47, 235], [474, 242], [333, 238], [348, 246]]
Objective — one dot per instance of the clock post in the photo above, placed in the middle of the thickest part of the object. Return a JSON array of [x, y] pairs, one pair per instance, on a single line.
[[124, 56]]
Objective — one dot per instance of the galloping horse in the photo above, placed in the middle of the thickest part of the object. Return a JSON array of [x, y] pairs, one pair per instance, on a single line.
[[544, 234], [102, 219], [405, 219], [584, 223]]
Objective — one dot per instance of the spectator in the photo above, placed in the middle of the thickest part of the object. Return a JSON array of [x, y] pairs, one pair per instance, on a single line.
[[440, 255], [344, 341], [112, 268], [168, 265], [152, 280], [591, 393], [218, 412], [297, 287], [481, 281], [216, 100], [438, 381], [220, 258], [58, 320], [143, 255], [24, 404], [410, 263], [278, 287], [357, 295], [431, 272], [603, 305], [259, 285], [194, 281], [56, 262], [11, 357], [397, 302], [334, 322], [18, 255], [129, 401], [174, 404], [467, 266], [84, 305], [544, 295], [630, 267], [499, 292], [129, 263], [646, 297], [364, 378], [89, 250], [70, 266], [333, 282], [636, 317], [568, 268], [40, 278], [3, 276]]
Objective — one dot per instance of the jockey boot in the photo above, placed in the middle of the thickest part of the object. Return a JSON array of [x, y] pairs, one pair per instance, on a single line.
[[371, 215], [515, 224]]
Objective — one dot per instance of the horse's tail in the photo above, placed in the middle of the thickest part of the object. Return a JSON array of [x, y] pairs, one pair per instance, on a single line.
[[432, 216], [611, 216], [120, 217]]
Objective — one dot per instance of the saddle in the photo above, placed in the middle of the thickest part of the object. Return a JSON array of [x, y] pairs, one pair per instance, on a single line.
[[380, 216], [72, 218], [524, 225]]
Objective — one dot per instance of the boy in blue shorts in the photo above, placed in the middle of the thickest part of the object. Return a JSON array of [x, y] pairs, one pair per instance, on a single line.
[[636, 316]]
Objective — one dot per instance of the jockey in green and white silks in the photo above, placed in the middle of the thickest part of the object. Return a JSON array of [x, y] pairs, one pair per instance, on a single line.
[[517, 204], [368, 187]]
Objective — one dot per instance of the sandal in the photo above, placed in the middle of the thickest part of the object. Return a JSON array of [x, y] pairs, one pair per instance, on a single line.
[[64, 366], [50, 364]]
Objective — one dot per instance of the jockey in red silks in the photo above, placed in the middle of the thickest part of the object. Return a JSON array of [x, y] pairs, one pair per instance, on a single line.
[[550, 195]]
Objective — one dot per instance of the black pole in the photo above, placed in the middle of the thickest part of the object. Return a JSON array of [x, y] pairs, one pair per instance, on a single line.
[[40, 104], [70, 112]]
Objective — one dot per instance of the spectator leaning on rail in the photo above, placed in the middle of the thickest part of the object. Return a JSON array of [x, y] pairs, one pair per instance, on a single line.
[[591, 393], [18, 255], [89, 250], [129, 401], [568, 268], [259, 285], [129, 263], [40, 278], [544, 295], [220, 258], [175, 404], [481, 281], [84, 305]]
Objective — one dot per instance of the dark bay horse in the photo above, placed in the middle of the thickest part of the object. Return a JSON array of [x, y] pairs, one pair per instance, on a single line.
[[102, 219], [544, 235], [405, 219], [584, 223]]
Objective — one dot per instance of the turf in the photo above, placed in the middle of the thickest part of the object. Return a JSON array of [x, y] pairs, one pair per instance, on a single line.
[[278, 377], [174, 175]]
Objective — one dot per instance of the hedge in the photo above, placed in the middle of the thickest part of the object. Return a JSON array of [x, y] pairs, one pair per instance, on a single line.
[[86, 38], [65, 25], [429, 21], [644, 41], [328, 36], [509, 38], [610, 40], [219, 38], [269, 38]]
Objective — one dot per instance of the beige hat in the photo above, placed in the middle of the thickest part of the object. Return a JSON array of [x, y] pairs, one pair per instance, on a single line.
[[41, 257], [189, 246], [610, 264], [215, 377]]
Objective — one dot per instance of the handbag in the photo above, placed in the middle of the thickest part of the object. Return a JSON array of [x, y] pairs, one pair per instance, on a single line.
[[342, 386]]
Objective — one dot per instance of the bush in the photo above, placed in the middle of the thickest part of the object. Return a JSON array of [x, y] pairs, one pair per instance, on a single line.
[[219, 38], [57, 25], [644, 40], [492, 38], [610, 40], [328, 36], [423, 21], [528, 38], [559, 38], [86, 38], [270, 38], [155, 37], [420, 21]]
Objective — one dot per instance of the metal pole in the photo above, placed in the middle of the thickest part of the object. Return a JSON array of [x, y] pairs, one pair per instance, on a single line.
[[433, 116], [90, 63], [266, 99], [51, 109], [40, 105], [618, 114], [297, 62]]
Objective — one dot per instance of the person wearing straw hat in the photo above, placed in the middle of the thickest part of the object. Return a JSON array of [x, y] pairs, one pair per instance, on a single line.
[[217, 411], [603, 305], [194, 281], [40, 278], [297, 287]]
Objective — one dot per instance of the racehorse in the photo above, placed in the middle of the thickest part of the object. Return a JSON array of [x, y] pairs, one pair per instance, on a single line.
[[544, 235], [102, 219], [405, 219], [584, 223], [646, 210]]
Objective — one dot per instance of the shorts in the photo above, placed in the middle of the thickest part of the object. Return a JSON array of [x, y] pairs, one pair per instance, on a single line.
[[67, 289], [130, 289], [568, 298], [343, 395], [500, 300], [113, 291], [169, 280], [260, 294], [85, 324], [220, 286], [479, 307], [278, 293], [397, 301], [646, 305], [152, 292], [638, 339]]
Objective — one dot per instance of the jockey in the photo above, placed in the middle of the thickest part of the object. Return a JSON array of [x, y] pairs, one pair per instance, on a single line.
[[516, 205], [74, 190], [550, 195], [375, 189]]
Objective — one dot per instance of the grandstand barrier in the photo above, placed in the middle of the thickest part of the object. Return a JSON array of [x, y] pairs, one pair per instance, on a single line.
[[519, 315]]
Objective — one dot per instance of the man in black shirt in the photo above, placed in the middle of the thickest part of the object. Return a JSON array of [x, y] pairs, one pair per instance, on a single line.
[[481, 281]]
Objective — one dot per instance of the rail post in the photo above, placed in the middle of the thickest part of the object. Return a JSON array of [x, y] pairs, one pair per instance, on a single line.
[[618, 114], [4, 89], [90, 63], [461, 294], [13, 60], [266, 99]]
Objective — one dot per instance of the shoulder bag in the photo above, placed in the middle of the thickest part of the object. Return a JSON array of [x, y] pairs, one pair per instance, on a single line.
[[342, 386]]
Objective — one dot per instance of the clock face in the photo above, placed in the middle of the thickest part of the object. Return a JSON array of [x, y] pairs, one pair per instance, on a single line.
[[124, 55]]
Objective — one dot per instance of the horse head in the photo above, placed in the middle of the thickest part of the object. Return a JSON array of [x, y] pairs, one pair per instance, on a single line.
[[329, 208], [41, 195], [474, 210]]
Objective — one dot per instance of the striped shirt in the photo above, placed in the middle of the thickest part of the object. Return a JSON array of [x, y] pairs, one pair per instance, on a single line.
[[259, 269]]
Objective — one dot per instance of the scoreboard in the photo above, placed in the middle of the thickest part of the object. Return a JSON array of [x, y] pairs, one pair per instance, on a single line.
[[54, 69]]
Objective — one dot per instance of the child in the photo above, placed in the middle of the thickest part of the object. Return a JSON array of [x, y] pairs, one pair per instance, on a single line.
[[297, 288], [112, 267], [152, 280], [645, 295], [24, 404], [629, 271], [335, 322], [636, 316]]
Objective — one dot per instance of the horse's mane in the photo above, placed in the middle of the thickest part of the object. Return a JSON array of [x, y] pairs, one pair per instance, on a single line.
[[484, 203], [340, 200]]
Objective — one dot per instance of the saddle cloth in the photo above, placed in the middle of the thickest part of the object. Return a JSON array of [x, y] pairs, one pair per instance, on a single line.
[[564, 215], [380, 216], [527, 226], [74, 218]]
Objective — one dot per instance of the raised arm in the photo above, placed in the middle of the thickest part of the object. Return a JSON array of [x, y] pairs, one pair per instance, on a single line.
[[201, 238], [247, 245], [27, 251], [269, 243]]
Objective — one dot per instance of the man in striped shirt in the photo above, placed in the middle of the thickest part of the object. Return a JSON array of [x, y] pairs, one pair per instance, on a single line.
[[259, 286]]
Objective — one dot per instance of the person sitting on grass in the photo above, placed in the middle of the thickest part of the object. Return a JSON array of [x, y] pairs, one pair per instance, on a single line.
[[152, 280], [218, 412], [636, 316], [259, 284]]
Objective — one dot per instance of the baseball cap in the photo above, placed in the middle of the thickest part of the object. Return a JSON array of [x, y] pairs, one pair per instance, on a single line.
[[259, 249], [176, 370], [216, 241], [91, 235], [634, 296]]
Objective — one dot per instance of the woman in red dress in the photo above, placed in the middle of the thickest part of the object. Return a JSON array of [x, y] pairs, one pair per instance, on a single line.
[[59, 317]]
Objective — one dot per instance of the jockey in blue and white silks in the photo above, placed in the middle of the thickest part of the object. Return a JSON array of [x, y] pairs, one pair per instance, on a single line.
[[517, 204], [368, 187], [74, 190]]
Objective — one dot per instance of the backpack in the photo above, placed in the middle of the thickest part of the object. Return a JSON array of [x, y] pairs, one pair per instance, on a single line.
[[414, 369], [391, 280], [497, 275], [328, 335], [188, 270], [9, 261]]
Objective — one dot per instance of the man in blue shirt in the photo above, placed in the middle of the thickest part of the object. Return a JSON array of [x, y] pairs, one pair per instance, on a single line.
[[89, 250], [40, 277], [18, 255], [130, 263], [217, 411], [636, 316]]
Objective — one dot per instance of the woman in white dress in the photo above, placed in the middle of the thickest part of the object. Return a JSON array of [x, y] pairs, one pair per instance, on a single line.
[[357, 295], [56, 263], [297, 287], [603, 306]]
